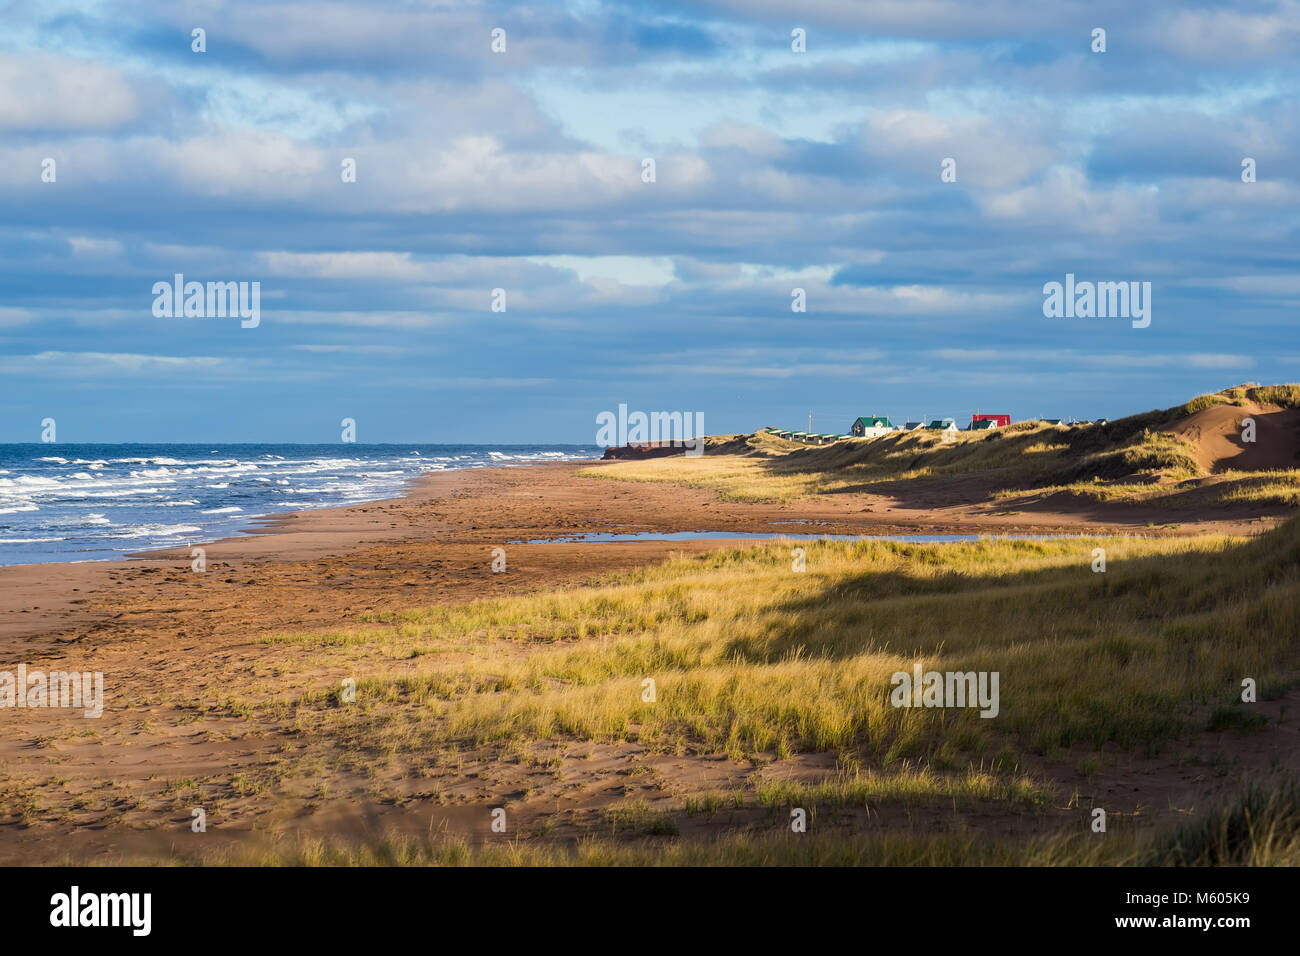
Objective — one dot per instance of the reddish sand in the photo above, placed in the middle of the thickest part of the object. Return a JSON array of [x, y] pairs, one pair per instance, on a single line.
[[1217, 433], [160, 632]]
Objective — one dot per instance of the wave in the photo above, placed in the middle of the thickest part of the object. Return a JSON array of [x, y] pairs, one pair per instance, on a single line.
[[155, 498], [159, 530], [29, 481]]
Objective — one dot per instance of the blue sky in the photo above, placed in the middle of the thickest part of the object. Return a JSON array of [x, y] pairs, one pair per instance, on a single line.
[[522, 171]]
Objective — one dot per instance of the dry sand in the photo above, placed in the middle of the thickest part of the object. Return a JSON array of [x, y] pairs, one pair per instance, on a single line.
[[152, 626], [1217, 432]]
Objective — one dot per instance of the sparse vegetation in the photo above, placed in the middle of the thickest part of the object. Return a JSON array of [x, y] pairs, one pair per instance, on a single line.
[[769, 689], [761, 665], [1130, 459]]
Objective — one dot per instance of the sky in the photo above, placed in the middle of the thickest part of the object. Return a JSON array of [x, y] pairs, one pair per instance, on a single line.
[[523, 169]]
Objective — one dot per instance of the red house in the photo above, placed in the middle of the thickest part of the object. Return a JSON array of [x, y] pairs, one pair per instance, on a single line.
[[1000, 421]]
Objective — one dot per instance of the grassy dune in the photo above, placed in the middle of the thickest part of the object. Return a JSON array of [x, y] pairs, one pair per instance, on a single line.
[[783, 675], [1127, 459], [750, 657], [761, 663]]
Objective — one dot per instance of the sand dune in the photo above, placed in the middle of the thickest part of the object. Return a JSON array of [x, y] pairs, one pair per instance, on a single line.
[[1216, 433]]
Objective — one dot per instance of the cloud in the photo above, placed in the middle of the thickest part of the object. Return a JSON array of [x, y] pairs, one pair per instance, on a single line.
[[88, 246], [10, 316], [1113, 360], [348, 265], [522, 171], [40, 90], [1064, 199], [1269, 30], [76, 363]]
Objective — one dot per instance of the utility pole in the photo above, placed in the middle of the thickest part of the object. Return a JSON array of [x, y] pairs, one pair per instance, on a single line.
[[810, 420]]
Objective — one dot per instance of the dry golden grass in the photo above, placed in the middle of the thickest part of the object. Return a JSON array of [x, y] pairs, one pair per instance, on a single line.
[[750, 657], [758, 662], [1126, 460]]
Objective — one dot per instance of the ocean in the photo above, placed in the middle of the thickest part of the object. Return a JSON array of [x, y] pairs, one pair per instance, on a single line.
[[66, 502]]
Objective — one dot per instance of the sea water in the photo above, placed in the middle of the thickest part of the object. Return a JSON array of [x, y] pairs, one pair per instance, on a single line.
[[66, 502]]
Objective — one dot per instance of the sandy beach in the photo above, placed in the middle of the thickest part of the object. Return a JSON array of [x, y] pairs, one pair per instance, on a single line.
[[604, 437], [157, 629], [434, 543]]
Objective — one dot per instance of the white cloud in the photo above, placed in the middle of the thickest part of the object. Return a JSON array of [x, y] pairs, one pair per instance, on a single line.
[[87, 362], [86, 246], [350, 265], [625, 270], [1057, 358], [49, 91], [1063, 198], [1227, 34]]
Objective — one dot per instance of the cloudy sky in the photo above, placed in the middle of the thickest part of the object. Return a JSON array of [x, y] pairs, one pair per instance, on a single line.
[[523, 171]]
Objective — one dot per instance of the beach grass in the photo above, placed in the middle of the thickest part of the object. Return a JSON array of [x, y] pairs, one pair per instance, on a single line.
[[748, 656], [738, 655], [1130, 459]]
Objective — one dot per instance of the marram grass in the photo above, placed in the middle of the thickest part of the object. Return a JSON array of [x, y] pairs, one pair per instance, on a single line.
[[749, 657]]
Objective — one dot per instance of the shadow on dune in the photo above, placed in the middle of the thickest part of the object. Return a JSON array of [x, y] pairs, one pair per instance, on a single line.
[[1178, 448], [1156, 592]]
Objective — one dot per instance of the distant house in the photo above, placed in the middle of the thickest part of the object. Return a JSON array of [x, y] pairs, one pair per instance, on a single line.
[[999, 421], [1051, 421], [983, 425], [942, 425], [871, 426], [913, 426]]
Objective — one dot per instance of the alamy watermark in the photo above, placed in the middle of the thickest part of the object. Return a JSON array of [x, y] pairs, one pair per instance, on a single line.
[[655, 428], [130, 910], [946, 689], [194, 300], [1102, 300], [74, 689]]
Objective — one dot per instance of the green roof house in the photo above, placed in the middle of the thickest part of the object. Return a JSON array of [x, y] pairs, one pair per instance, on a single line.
[[871, 426]]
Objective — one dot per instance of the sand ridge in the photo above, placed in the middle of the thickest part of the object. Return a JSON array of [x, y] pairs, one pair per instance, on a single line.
[[1217, 436]]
